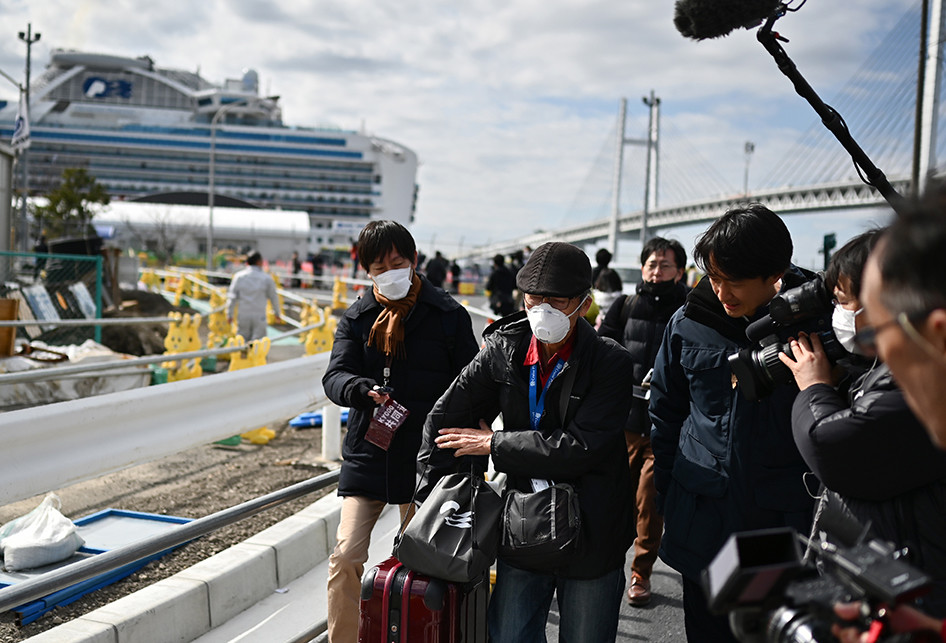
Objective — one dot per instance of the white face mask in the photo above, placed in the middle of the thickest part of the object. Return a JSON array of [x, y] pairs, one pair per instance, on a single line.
[[394, 284], [549, 325], [842, 321]]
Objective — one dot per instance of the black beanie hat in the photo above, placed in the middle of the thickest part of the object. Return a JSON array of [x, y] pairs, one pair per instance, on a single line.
[[555, 269]]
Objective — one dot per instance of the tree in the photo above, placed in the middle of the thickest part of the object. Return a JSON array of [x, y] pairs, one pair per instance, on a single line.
[[160, 232], [69, 210]]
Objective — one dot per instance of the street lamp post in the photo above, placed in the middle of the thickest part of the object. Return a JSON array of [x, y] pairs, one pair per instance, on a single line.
[[7, 217], [210, 180], [29, 38], [750, 148], [241, 102]]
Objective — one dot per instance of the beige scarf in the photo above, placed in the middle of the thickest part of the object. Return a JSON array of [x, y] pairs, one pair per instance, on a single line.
[[387, 332]]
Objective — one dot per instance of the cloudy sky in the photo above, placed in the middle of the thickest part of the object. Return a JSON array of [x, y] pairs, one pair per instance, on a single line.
[[511, 105]]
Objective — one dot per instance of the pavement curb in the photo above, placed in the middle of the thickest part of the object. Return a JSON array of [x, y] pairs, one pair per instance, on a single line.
[[192, 602]]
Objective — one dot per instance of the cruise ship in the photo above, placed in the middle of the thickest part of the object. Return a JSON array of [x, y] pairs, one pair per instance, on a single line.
[[164, 135]]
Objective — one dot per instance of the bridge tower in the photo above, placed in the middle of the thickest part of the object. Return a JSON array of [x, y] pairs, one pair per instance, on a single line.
[[652, 169]]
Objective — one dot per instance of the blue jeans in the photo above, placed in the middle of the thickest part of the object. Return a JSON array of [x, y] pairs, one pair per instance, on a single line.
[[588, 609]]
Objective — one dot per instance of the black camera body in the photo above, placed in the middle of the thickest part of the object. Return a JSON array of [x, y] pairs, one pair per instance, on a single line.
[[773, 596], [807, 309]]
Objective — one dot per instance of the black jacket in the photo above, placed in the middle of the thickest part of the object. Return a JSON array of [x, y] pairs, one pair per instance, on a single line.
[[878, 462], [439, 341], [639, 328], [587, 451], [722, 463]]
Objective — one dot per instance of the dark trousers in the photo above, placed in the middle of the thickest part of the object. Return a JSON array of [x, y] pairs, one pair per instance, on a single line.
[[702, 626]]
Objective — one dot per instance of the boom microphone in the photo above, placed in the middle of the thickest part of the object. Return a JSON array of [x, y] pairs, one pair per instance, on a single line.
[[702, 19]]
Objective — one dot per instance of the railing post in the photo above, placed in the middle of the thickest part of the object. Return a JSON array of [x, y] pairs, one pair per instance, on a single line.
[[98, 298], [331, 432]]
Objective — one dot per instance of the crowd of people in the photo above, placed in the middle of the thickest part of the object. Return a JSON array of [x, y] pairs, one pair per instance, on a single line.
[[644, 417]]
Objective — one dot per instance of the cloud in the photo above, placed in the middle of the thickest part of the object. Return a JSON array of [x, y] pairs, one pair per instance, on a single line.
[[509, 103]]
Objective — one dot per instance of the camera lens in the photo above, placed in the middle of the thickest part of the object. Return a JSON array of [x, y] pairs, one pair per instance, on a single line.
[[788, 625], [768, 361]]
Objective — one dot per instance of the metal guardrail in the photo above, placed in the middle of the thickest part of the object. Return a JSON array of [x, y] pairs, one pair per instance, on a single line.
[[77, 440], [43, 374], [30, 590], [105, 321]]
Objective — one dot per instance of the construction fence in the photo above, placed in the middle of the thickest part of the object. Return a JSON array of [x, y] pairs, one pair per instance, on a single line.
[[50, 288]]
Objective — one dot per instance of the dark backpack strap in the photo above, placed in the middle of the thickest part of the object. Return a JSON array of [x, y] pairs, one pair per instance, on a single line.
[[571, 398], [626, 310]]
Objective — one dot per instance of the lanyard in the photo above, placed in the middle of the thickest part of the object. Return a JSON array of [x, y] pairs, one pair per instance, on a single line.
[[537, 407]]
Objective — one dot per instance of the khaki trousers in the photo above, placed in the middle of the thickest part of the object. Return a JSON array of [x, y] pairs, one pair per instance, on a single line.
[[347, 564], [650, 524]]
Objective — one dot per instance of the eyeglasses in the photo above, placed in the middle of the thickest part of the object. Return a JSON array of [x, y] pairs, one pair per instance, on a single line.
[[663, 265], [558, 303], [866, 338]]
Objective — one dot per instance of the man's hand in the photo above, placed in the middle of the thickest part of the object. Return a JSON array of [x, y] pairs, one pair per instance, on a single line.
[[466, 441], [901, 619], [811, 365], [379, 398]]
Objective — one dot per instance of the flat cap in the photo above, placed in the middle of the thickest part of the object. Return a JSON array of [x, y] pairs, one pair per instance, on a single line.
[[555, 269]]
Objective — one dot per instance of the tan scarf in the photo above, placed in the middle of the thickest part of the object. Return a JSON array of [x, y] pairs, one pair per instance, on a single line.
[[387, 332]]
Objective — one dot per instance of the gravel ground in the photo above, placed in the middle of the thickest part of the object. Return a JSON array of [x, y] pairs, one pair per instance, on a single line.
[[191, 484]]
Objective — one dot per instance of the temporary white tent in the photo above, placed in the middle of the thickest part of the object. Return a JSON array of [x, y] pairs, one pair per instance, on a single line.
[[275, 233]]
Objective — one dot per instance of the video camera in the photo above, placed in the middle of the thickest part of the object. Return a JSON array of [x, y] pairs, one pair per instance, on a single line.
[[772, 595], [806, 308]]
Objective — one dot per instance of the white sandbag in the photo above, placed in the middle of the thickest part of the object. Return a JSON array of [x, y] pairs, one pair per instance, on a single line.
[[41, 537]]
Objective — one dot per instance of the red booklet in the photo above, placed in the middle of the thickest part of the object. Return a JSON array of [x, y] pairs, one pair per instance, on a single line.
[[388, 417]]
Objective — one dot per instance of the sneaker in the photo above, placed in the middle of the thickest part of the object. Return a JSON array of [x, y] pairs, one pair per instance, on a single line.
[[638, 594]]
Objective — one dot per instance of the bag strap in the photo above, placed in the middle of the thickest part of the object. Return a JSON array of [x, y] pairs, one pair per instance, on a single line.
[[420, 481], [568, 403], [626, 309]]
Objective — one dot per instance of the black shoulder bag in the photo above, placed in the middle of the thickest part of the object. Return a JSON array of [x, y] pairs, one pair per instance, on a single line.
[[541, 529]]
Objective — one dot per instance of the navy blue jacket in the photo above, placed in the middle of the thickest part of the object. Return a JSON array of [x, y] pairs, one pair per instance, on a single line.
[[722, 463], [580, 438], [439, 341]]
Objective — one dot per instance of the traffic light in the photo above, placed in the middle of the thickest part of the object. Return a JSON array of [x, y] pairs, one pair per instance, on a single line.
[[829, 243]]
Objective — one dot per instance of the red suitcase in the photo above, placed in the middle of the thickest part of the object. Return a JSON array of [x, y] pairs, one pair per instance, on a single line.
[[399, 605]]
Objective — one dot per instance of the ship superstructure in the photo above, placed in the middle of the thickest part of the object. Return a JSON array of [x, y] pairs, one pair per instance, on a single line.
[[147, 133]]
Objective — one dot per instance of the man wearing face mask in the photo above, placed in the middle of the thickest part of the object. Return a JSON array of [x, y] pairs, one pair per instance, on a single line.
[[868, 449], [638, 323], [563, 395], [402, 342]]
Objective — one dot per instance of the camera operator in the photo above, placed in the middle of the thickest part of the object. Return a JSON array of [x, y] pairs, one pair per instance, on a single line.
[[869, 450], [723, 464], [905, 300]]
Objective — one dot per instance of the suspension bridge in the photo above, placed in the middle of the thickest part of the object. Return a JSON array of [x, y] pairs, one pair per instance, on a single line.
[[878, 106]]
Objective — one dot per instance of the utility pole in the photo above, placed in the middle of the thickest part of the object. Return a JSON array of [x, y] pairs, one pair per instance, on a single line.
[[928, 87], [23, 228]]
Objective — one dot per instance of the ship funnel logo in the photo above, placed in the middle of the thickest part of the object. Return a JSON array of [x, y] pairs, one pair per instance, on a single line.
[[99, 87], [95, 88], [453, 519]]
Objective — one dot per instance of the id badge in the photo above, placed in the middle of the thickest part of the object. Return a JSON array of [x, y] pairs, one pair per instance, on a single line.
[[387, 419]]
